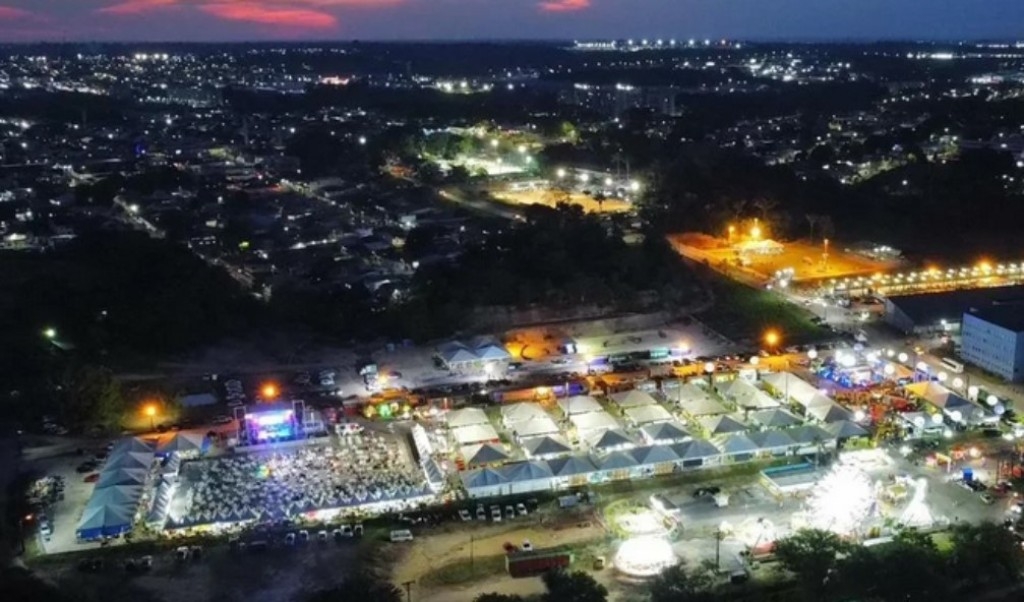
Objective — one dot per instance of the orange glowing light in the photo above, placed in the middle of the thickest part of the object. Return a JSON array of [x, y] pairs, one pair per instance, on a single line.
[[269, 391], [149, 410], [771, 338]]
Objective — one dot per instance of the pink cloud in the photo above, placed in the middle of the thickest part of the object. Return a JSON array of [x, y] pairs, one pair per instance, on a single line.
[[9, 13], [137, 7], [563, 6], [271, 15]]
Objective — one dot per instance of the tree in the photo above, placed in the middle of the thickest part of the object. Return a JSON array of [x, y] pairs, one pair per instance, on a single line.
[[360, 587], [677, 584], [811, 554], [985, 553], [909, 568], [91, 397], [812, 220], [576, 586]]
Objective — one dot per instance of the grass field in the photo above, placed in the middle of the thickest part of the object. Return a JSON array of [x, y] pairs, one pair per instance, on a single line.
[[743, 314], [465, 571]]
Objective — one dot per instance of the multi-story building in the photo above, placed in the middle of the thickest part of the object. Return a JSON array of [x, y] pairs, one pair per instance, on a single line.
[[993, 339]]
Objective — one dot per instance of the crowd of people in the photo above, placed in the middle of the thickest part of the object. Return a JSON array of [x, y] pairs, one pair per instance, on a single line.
[[359, 470]]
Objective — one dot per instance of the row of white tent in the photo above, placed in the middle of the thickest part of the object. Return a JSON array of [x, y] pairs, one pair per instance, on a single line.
[[646, 460]]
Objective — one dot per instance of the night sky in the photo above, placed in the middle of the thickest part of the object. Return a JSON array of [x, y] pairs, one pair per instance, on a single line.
[[210, 20]]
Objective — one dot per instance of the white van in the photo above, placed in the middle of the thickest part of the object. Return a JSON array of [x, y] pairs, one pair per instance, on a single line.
[[401, 535]]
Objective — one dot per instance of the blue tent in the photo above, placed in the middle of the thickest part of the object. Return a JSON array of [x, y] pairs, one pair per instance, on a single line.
[[110, 512]]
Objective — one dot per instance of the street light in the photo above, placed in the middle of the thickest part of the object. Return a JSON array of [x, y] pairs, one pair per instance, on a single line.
[[771, 338], [812, 354], [269, 391], [754, 360], [560, 173], [150, 410], [50, 333], [709, 368]]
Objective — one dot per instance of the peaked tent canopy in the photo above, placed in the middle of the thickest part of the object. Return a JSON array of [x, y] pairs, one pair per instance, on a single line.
[[633, 399], [571, 466], [717, 425], [776, 418], [609, 440], [546, 446], [844, 429], [665, 432], [530, 470], [579, 404], [486, 453]]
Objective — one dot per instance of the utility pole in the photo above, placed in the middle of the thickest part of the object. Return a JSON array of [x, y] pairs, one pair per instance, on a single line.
[[718, 549], [472, 558], [408, 591]]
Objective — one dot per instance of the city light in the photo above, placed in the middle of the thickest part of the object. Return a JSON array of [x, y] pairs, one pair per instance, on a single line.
[[150, 410], [812, 354], [560, 173], [50, 333], [709, 367], [269, 391], [771, 338], [903, 357], [634, 186], [754, 360]]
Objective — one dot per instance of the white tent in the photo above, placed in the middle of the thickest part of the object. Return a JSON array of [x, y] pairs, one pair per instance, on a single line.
[[579, 404], [776, 418], [746, 395], [664, 432], [717, 425], [466, 417], [641, 415], [633, 399], [477, 433], [696, 401], [594, 421], [521, 412], [534, 428], [795, 387]]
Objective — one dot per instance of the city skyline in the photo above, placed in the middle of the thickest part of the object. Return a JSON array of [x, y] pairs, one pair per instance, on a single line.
[[254, 20]]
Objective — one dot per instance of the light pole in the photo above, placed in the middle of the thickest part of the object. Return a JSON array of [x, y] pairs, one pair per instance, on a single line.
[[709, 368]]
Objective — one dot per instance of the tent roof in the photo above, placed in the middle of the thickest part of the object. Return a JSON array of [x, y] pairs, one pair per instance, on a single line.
[[529, 470], [776, 418], [809, 434], [735, 443], [653, 454], [492, 352], [747, 395], [608, 439], [771, 439], [665, 431], [695, 449], [830, 413], [535, 427], [844, 429], [797, 388], [483, 477], [122, 476], [573, 465], [548, 445], [579, 404], [939, 396], [477, 433], [616, 460], [466, 417], [182, 441], [648, 414], [131, 444], [455, 352], [633, 399], [717, 425], [703, 406], [130, 459], [594, 421], [104, 520], [485, 453], [519, 412]]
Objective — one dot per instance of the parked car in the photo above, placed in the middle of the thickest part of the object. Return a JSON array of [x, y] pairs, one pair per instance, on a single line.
[[987, 498], [496, 514], [521, 509], [527, 546], [510, 512], [401, 535], [464, 515], [481, 513], [706, 491]]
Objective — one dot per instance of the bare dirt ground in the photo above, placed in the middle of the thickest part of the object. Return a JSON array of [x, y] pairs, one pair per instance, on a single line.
[[550, 198], [431, 552]]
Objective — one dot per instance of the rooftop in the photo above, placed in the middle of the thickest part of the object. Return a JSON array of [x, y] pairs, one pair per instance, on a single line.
[[928, 308], [1004, 315]]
